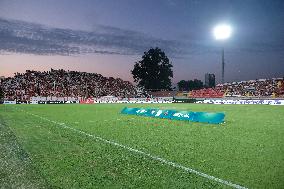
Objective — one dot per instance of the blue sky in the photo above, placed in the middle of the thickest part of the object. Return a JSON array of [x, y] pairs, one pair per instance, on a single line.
[[108, 36]]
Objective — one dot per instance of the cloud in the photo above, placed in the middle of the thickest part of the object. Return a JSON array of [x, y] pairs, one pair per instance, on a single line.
[[24, 37], [29, 38]]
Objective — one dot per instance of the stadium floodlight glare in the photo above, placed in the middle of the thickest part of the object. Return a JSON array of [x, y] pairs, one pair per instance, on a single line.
[[222, 31]]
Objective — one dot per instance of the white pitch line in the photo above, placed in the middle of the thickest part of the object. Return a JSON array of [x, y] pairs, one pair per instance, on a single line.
[[173, 164]]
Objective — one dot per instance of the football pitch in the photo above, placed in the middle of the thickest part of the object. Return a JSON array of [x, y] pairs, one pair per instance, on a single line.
[[94, 146]]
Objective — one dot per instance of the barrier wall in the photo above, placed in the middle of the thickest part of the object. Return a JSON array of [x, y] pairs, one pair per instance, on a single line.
[[264, 102], [41, 102], [127, 100], [143, 101], [90, 102]]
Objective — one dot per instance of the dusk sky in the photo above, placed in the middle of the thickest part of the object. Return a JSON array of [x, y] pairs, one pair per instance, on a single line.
[[109, 36]]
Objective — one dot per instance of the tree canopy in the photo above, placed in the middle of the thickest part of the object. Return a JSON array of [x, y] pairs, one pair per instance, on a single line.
[[190, 85], [154, 71]]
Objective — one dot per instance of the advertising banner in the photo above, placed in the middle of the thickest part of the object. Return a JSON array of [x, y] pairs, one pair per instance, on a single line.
[[87, 101], [238, 101], [204, 117], [10, 102]]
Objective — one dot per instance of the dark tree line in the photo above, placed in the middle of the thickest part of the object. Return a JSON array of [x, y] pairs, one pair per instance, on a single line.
[[190, 85]]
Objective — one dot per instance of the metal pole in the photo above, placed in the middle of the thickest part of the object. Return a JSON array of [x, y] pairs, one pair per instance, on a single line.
[[223, 65]]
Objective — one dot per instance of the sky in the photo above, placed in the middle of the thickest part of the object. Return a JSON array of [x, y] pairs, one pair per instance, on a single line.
[[109, 36]]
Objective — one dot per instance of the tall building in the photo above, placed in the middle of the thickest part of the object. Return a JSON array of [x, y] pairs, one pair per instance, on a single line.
[[209, 80]]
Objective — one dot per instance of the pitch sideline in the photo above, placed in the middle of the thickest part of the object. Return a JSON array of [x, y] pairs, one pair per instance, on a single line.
[[156, 158]]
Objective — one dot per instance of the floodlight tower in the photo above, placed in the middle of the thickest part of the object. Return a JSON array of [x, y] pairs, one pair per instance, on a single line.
[[222, 32]]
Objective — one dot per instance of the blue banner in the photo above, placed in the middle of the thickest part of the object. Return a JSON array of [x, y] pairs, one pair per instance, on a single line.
[[204, 117]]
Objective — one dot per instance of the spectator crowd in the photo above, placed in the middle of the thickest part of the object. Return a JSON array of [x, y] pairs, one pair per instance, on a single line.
[[206, 93], [254, 88], [61, 83]]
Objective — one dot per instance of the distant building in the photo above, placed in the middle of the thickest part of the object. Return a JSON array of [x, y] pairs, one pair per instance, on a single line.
[[209, 80]]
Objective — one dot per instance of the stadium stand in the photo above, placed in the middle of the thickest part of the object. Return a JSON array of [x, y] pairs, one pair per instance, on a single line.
[[253, 88], [162, 93], [61, 83], [206, 93], [256, 88]]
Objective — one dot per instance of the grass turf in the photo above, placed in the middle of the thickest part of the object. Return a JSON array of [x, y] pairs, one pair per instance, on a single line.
[[16, 169], [247, 150]]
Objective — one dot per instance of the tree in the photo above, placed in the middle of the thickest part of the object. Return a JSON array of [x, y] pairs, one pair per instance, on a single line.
[[154, 71], [190, 85], [197, 84], [183, 85]]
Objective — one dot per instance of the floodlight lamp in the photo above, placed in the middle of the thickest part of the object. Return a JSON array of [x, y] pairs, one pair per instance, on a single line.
[[222, 32]]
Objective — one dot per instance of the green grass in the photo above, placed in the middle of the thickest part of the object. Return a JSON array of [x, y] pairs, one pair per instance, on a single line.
[[247, 150], [16, 169]]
